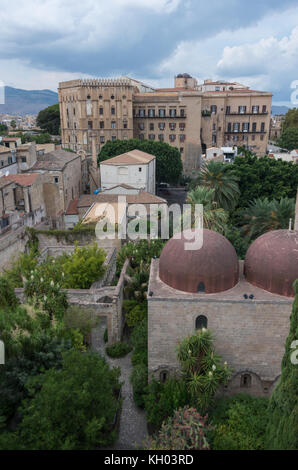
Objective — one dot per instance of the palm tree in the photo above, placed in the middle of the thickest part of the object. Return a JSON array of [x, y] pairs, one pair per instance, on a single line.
[[225, 184], [263, 215], [214, 217]]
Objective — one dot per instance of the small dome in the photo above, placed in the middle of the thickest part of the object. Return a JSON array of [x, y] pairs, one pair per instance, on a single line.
[[271, 262], [213, 268]]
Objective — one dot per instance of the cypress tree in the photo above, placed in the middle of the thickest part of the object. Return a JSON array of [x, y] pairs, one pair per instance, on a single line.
[[282, 428]]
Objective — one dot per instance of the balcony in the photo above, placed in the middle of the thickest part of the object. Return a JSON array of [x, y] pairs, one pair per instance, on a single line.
[[245, 132], [206, 113], [146, 116], [247, 114]]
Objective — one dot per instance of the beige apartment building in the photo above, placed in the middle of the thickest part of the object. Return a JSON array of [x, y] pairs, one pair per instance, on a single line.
[[190, 116]]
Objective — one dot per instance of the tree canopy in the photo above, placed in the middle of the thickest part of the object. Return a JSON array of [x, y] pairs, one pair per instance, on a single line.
[[168, 159], [282, 429], [290, 119], [289, 138], [49, 119]]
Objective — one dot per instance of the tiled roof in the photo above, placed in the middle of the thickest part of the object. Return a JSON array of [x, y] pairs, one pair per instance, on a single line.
[[86, 200], [26, 179], [72, 207], [55, 160], [10, 139], [134, 157]]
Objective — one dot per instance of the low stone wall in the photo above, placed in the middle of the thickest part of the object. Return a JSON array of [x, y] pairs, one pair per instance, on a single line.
[[12, 244]]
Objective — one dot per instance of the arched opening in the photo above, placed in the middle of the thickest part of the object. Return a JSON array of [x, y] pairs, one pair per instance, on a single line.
[[163, 376], [245, 381], [201, 322], [201, 288]]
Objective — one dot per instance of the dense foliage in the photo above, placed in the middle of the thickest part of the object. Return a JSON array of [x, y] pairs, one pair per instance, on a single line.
[[239, 423], [72, 407], [168, 159], [49, 119], [289, 138], [282, 430], [119, 349]]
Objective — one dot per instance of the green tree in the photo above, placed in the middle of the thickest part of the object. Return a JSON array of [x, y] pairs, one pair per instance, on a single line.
[[73, 408], [290, 119], [3, 129], [168, 159], [202, 369], [288, 138], [214, 217], [13, 124], [225, 184], [263, 215], [282, 429], [49, 119], [264, 177]]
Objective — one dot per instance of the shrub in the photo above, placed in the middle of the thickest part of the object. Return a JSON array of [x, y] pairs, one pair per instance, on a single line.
[[136, 315], [162, 400], [139, 380], [186, 430], [119, 349], [8, 299], [240, 423]]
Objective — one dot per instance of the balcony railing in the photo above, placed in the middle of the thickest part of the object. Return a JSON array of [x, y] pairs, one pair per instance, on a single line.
[[146, 116], [261, 113]]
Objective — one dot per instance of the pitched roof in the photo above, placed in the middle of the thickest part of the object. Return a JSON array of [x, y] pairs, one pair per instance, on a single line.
[[72, 207], [86, 200], [26, 179], [55, 160], [122, 185], [134, 157]]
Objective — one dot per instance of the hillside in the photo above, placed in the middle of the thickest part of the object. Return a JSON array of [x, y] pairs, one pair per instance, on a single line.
[[23, 102]]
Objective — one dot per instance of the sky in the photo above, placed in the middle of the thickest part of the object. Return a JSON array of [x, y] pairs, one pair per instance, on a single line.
[[44, 42]]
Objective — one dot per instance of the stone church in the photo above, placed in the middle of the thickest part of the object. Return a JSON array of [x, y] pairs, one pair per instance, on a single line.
[[246, 305]]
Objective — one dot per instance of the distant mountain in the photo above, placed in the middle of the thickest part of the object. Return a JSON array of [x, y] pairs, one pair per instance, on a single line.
[[279, 110], [23, 102]]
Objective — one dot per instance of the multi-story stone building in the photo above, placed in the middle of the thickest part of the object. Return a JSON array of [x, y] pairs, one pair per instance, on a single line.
[[190, 116]]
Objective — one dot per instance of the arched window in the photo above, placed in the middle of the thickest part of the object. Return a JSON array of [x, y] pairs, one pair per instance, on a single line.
[[245, 381], [163, 376], [201, 288], [201, 322]]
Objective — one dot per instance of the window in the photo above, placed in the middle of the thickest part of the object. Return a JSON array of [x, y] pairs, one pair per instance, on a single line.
[[124, 97], [213, 109], [112, 97], [214, 139], [101, 110], [173, 112], [228, 109], [151, 136], [245, 127], [214, 127], [113, 111], [90, 125], [242, 109], [102, 125], [113, 125], [124, 125], [151, 113], [141, 136], [141, 126], [182, 126], [262, 127], [88, 97], [253, 137], [181, 149], [163, 376], [74, 111], [100, 97], [114, 138], [254, 127], [236, 127], [182, 137], [161, 137], [102, 139], [161, 126], [262, 137], [56, 179], [162, 112], [172, 126], [142, 112], [172, 137], [255, 109], [182, 112], [140, 169], [229, 127], [151, 126], [245, 381], [264, 108], [201, 320]]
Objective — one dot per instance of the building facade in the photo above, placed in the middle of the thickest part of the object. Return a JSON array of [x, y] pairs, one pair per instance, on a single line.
[[190, 116]]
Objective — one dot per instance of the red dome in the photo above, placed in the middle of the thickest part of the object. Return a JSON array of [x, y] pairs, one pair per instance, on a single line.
[[213, 268], [271, 262]]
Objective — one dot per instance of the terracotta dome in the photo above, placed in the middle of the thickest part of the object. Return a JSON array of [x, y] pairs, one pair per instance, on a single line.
[[271, 262], [212, 268]]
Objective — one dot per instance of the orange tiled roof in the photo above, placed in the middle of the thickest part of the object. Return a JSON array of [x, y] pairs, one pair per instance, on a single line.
[[26, 179]]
